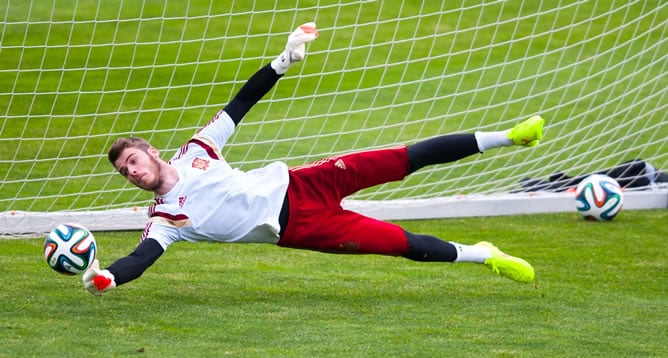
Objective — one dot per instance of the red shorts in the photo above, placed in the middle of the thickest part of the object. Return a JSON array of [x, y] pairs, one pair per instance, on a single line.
[[316, 220]]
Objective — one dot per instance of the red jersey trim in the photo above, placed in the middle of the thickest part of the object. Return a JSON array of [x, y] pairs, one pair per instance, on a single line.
[[209, 150], [170, 217], [178, 221], [147, 229]]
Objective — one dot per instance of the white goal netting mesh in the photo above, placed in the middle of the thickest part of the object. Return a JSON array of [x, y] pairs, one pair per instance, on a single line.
[[76, 75]]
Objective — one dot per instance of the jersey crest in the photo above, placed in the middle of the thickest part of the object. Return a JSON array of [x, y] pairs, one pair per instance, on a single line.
[[199, 163]]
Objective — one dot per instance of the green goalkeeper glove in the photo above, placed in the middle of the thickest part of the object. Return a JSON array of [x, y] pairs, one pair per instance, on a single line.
[[295, 50], [98, 281]]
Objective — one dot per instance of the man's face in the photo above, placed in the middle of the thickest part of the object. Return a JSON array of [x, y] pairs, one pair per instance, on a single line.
[[140, 168]]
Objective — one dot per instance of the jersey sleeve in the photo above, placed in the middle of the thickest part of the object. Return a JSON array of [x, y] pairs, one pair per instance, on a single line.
[[165, 235], [216, 133]]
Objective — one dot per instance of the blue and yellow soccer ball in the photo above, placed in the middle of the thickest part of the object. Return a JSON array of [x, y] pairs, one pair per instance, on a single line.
[[599, 198], [70, 249]]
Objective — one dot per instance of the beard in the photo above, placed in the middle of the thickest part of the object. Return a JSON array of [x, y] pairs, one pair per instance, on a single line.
[[157, 181]]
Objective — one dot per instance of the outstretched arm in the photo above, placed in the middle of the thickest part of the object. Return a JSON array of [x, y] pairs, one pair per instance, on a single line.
[[263, 80], [123, 270], [215, 134]]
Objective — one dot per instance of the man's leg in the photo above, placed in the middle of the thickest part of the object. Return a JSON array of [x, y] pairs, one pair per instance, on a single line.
[[346, 232], [452, 147], [340, 176], [427, 248]]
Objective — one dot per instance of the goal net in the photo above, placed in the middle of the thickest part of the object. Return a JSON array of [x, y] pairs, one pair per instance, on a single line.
[[76, 75]]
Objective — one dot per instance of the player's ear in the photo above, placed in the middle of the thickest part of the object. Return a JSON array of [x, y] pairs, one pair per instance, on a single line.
[[153, 152]]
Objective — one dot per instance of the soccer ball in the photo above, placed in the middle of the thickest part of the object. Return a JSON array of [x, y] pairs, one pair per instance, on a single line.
[[599, 198], [70, 249]]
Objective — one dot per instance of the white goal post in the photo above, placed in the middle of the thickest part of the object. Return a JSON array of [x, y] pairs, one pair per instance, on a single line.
[[77, 75]]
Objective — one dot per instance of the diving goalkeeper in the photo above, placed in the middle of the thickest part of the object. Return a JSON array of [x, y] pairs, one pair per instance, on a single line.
[[200, 197]]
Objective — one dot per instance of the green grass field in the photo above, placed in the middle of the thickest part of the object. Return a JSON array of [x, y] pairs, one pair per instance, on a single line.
[[601, 290]]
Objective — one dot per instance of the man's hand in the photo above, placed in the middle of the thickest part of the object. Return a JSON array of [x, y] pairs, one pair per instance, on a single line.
[[297, 40], [97, 281], [295, 50]]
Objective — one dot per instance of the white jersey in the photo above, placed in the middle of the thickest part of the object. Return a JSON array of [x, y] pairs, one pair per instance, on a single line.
[[214, 202]]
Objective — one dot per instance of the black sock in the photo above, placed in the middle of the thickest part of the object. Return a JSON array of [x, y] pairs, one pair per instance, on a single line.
[[441, 149], [429, 248]]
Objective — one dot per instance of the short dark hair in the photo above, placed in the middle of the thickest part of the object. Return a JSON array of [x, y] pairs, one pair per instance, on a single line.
[[122, 144]]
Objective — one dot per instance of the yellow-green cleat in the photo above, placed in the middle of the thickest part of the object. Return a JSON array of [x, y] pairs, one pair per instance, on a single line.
[[528, 133], [512, 267]]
